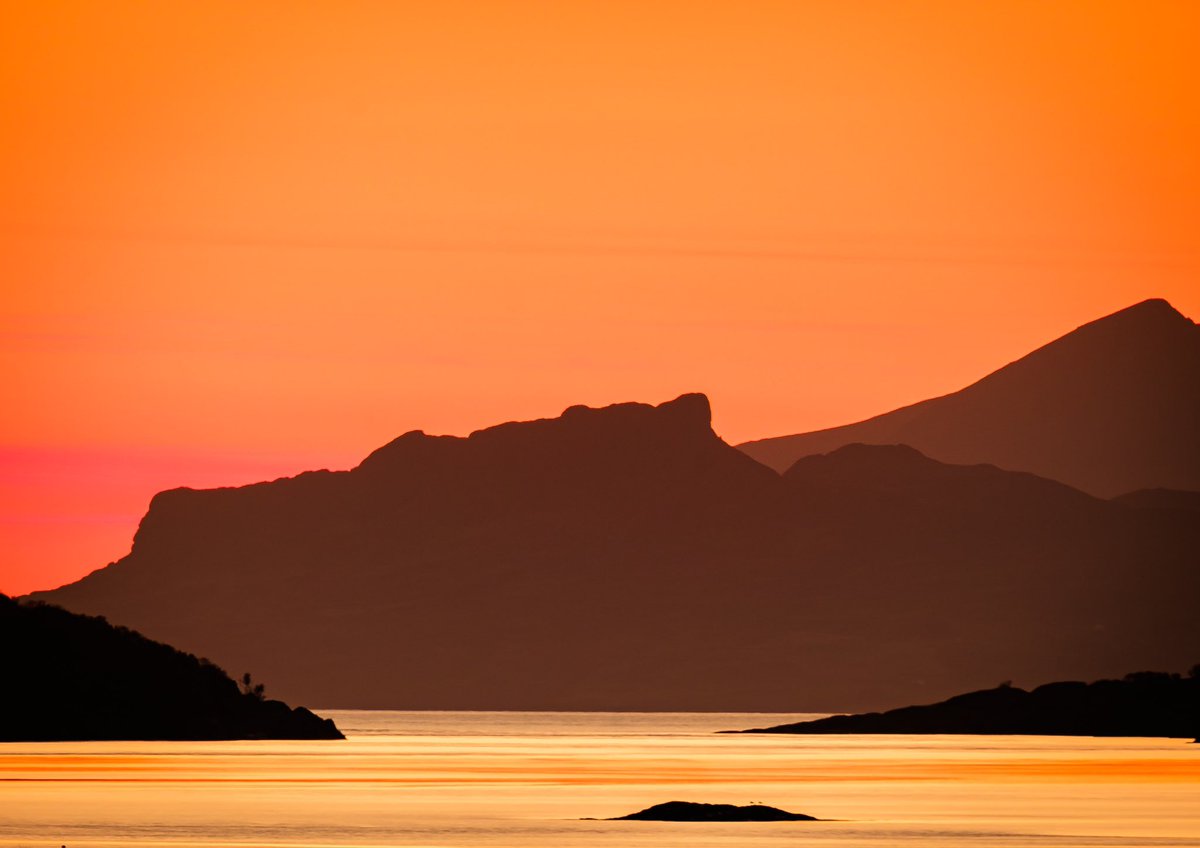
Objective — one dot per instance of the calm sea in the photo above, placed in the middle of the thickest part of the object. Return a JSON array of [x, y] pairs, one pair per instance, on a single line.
[[530, 779]]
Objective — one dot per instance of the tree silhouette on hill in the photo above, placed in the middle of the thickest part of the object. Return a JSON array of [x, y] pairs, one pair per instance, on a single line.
[[83, 678]]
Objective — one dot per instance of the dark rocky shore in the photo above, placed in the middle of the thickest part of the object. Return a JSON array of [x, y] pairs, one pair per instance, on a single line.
[[1140, 704], [77, 677]]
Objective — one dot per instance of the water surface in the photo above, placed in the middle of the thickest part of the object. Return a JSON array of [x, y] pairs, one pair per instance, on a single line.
[[527, 780]]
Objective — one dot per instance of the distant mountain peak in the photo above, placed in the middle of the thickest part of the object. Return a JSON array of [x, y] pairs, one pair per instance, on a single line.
[[1150, 330], [1151, 306], [1111, 407], [1146, 316]]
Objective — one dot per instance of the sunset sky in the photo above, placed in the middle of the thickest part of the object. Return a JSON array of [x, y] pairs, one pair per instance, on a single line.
[[243, 239]]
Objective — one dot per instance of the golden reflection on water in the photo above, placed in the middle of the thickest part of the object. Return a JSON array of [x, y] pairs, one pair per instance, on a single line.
[[527, 780]]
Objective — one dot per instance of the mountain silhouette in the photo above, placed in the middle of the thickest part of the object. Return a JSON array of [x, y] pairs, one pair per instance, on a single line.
[[627, 558], [76, 677], [1110, 408]]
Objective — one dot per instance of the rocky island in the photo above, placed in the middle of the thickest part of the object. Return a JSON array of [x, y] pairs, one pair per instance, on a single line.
[[686, 811], [1145, 703], [76, 677]]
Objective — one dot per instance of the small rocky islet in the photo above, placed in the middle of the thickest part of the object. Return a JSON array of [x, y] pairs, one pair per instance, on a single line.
[[686, 811]]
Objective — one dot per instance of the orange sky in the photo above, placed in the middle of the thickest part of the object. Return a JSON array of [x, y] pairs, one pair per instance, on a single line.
[[238, 240]]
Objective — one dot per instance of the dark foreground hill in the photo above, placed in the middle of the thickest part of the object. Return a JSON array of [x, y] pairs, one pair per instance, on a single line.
[[626, 558], [1140, 704], [75, 677], [1109, 408]]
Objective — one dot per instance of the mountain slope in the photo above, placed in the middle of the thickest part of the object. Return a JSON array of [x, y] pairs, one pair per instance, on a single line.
[[75, 677], [627, 558], [1111, 407]]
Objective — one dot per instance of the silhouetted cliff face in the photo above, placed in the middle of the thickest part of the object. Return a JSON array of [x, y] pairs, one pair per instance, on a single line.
[[1110, 408], [1140, 704], [627, 558], [75, 677]]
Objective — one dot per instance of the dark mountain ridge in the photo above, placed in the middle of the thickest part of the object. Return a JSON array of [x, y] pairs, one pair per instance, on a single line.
[[627, 558], [1109, 408]]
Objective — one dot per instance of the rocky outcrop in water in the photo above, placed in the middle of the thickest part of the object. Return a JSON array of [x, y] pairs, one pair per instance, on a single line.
[[1140, 704], [685, 811]]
